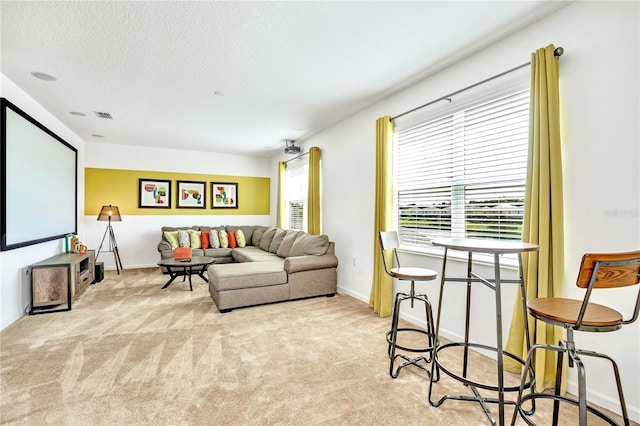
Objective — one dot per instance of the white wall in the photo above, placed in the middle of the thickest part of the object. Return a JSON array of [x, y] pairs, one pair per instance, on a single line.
[[138, 236], [14, 283], [599, 83]]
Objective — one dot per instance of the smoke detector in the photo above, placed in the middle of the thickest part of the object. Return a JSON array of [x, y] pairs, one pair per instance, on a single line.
[[290, 148]]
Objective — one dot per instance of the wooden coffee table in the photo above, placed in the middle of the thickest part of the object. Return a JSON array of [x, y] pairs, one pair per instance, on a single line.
[[176, 268]]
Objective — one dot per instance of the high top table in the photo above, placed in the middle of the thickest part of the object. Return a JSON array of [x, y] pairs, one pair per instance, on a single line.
[[495, 248]]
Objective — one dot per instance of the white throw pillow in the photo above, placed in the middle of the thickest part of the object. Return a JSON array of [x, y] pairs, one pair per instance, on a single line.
[[214, 241]]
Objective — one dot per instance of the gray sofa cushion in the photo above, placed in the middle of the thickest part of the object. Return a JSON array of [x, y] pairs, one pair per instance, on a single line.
[[317, 245], [252, 254], [309, 263], [257, 235], [209, 228], [217, 252], [265, 241], [310, 244], [252, 274], [287, 243], [172, 229], [277, 239]]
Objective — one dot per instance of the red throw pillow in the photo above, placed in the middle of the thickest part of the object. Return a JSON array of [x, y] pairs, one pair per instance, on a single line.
[[204, 239], [232, 239]]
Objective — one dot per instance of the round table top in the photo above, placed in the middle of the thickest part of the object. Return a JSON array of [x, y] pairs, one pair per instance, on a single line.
[[478, 245], [195, 261]]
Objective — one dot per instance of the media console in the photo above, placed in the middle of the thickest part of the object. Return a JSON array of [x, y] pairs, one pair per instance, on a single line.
[[56, 281]]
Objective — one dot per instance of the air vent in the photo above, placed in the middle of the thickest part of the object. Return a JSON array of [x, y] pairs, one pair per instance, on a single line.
[[105, 115]]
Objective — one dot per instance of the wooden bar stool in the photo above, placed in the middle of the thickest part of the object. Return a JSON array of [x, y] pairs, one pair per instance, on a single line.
[[596, 271], [389, 241]]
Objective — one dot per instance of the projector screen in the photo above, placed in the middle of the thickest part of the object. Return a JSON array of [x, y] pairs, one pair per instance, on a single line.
[[39, 181]]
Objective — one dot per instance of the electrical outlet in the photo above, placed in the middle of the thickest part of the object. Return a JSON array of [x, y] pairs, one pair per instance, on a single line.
[[354, 261]]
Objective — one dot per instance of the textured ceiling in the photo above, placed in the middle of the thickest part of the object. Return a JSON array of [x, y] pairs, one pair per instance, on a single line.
[[235, 77]]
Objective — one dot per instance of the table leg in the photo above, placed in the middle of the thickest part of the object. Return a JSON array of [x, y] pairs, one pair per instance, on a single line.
[[173, 276], [467, 318], [496, 266], [523, 293], [435, 371], [201, 273]]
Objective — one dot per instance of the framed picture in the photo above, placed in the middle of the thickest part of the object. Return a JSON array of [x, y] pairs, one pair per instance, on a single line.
[[191, 195], [224, 195], [154, 193]]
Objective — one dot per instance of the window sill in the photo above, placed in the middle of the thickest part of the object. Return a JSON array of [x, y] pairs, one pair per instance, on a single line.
[[506, 261]]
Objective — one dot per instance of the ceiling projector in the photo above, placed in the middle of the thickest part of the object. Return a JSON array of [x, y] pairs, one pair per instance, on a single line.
[[290, 148]]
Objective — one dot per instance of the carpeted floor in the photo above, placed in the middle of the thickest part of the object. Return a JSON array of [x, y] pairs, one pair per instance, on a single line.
[[130, 353]]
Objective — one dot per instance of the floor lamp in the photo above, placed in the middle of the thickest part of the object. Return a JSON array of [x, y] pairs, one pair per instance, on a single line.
[[109, 213]]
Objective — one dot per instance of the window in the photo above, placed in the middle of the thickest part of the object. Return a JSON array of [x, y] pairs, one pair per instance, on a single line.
[[463, 174], [297, 181]]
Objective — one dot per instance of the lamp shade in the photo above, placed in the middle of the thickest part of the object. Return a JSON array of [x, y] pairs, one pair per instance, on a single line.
[[109, 213]]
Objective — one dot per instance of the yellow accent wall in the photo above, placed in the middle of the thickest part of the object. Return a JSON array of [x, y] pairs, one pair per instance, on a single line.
[[120, 188]]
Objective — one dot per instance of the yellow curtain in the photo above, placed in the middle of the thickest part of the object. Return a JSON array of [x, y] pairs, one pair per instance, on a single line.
[[543, 217], [313, 212], [381, 299], [281, 203]]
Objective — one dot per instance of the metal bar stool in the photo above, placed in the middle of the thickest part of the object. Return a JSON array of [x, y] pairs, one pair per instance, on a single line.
[[389, 241], [596, 271]]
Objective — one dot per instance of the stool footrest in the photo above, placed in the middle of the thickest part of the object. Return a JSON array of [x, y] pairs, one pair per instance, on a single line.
[[526, 414], [411, 361], [467, 381], [404, 348]]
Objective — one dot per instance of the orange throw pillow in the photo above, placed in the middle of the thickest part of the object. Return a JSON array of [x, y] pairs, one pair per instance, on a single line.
[[204, 240], [182, 253], [232, 239]]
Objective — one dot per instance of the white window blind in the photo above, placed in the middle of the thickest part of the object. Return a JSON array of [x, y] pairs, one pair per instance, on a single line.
[[463, 174], [296, 182]]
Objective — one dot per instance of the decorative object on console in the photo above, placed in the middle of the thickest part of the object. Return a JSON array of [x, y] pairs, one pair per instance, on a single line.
[[109, 213], [154, 193], [74, 245], [191, 194], [224, 195]]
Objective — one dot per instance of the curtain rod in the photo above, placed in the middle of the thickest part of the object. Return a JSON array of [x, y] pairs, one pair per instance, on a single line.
[[296, 157], [557, 52]]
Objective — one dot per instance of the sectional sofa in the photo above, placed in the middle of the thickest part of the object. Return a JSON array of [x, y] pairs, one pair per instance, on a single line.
[[259, 264]]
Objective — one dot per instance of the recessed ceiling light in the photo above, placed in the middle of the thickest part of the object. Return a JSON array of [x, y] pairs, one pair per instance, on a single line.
[[77, 113], [43, 76], [97, 136]]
